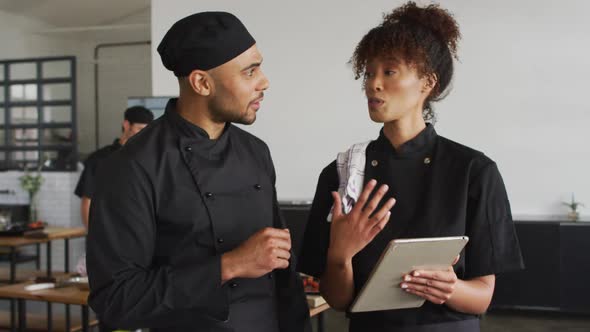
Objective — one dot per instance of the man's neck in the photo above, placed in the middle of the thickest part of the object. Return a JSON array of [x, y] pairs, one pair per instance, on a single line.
[[196, 112]]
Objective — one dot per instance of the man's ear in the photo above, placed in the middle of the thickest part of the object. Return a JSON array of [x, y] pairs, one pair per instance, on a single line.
[[126, 125], [200, 82]]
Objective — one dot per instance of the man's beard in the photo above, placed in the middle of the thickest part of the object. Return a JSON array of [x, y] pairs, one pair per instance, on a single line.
[[222, 113]]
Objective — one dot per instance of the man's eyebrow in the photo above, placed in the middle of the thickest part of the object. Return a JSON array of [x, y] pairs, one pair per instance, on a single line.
[[253, 65]]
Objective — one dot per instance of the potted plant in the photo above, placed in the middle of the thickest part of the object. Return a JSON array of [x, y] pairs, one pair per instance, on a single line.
[[31, 182], [573, 215]]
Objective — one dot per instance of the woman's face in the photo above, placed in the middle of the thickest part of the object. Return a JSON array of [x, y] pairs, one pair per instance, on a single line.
[[394, 90]]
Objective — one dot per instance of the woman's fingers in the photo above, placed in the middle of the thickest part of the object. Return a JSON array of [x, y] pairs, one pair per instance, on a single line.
[[378, 227], [447, 275], [337, 209], [379, 215], [436, 286], [370, 207], [360, 203], [419, 283], [429, 295]]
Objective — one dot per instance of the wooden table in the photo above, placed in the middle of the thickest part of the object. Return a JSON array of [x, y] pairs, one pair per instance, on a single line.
[[50, 234], [73, 295], [23, 275], [64, 295]]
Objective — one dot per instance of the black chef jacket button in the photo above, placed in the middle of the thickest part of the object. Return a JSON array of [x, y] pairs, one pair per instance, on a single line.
[[220, 240], [209, 195], [233, 285], [257, 187], [270, 275], [188, 149]]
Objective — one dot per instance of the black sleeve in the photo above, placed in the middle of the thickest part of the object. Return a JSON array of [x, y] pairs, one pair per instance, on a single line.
[[85, 186], [278, 218], [493, 247], [317, 231], [128, 289]]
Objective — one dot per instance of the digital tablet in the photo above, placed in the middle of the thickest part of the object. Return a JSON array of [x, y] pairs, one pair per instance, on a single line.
[[382, 290]]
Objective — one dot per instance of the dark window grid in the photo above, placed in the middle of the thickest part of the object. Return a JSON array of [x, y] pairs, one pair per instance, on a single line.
[[67, 102], [39, 104], [48, 125], [39, 81], [54, 147]]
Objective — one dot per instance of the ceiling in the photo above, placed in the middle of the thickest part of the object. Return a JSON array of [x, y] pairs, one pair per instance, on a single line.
[[100, 19]]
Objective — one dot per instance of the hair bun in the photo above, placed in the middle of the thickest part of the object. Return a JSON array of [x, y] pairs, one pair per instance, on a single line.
[[438, 20]]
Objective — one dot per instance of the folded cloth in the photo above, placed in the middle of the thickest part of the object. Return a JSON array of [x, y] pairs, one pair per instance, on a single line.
[[351, 175]]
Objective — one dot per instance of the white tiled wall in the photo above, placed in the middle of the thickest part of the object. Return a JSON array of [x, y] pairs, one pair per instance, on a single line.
[[57, 205]]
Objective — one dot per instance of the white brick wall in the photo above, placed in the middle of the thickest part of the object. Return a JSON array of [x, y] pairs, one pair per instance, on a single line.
[[57, 205]]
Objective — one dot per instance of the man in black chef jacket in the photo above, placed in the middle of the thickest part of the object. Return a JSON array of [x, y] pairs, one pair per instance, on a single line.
[[186, 235], [135, 119]]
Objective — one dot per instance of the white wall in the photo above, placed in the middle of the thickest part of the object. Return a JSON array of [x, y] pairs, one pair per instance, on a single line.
[[518, 93], [124, 71]]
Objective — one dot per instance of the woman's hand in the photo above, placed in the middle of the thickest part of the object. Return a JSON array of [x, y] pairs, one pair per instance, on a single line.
[[436, 286], [350, 233]]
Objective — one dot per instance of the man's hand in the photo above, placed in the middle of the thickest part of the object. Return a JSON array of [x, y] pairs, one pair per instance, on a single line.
[[265, 251], [350, 233]]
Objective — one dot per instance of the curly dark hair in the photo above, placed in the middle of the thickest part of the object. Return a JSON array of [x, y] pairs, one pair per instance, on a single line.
[[425, 37]]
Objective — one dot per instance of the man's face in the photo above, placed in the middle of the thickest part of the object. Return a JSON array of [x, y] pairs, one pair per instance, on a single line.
[[130, 129], [238, 88], [136, 128]]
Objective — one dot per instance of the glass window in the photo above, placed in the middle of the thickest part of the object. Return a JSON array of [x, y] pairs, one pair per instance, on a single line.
[[60, 91], [28, 159], [56, 69], [23, 115], [23, 92], [57, 114], [25, 136], [36, 114], [23, 71], [57, 136]]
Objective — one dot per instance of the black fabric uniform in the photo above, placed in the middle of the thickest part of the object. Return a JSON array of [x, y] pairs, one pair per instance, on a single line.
[[175, 202], [441, 188], [87, 182]]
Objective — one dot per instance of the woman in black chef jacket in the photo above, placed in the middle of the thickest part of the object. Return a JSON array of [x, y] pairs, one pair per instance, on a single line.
[[416, 184]]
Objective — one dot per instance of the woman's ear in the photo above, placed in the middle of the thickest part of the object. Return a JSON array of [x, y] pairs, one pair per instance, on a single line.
[[430, 83]]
